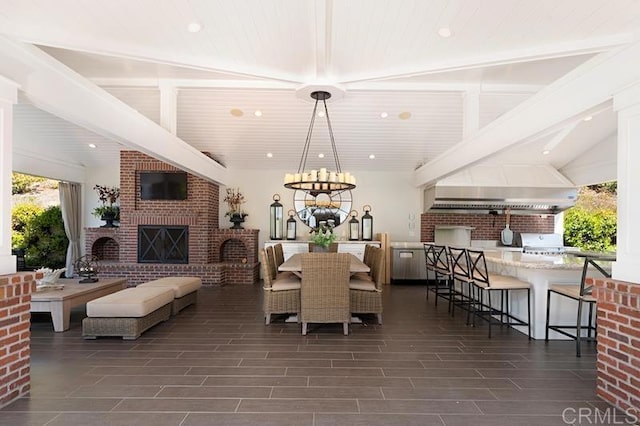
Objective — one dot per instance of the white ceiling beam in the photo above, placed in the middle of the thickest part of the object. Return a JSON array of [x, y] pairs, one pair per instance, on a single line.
[[175, 59], [169, 107], [537, 53], [588, 86], [57, 89]]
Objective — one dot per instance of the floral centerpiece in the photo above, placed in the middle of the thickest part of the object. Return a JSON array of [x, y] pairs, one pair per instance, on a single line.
[[108, 197], [235, 200], [323, 235]]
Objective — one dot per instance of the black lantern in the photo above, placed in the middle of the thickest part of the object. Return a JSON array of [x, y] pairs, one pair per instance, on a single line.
[[367, 224], [291, 225], [354, 226], [277, 218]]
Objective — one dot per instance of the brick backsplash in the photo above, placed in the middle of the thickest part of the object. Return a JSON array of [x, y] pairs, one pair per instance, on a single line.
[[487, 227]]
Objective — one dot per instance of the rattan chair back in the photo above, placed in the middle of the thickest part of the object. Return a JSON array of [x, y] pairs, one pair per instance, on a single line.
[[324, 292], [278, 254]]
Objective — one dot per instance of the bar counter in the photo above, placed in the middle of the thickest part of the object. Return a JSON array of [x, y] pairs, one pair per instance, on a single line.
[[540, 271]]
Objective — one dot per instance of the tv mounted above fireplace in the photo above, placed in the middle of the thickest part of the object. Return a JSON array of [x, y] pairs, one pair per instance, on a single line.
[[163, 186]]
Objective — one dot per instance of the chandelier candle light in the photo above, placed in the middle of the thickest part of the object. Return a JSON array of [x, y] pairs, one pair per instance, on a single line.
[[319, 181]]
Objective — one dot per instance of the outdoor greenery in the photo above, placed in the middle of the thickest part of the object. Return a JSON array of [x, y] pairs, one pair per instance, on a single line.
[[45, 241], [21, 184], [592, 223], [21, 216], [36, 229]]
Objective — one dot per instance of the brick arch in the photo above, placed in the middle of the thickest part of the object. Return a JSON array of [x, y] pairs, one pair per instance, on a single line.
[[103, 243], [233, 250], [234, 245]]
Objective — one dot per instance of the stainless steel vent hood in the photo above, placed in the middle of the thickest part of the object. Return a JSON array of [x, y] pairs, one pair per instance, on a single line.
[[525, 189]]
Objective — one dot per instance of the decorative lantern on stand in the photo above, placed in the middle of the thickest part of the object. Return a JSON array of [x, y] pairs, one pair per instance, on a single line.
[[277, 218], [354, 226], [291, 225], [367, 224]]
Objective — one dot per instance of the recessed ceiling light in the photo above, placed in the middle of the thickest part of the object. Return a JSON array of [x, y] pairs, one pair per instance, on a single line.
[[92, 145], [320, 113], [383, 115], [236, 112], [405, 115], [546, 152], [321, 155], [269, 155], [372, 156], [194, 27], [445, 32], [258, 113], [588, 118]]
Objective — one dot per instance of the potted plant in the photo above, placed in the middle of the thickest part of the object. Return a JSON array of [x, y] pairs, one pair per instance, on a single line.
[[235, 200], [108, 211], [323, 236]]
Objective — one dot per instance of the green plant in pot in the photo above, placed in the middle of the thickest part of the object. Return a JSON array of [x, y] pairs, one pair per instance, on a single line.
[[323, 236], [108, 211], [235, 200]]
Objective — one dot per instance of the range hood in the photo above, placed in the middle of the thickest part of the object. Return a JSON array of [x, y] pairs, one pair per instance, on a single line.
[[524, 189]]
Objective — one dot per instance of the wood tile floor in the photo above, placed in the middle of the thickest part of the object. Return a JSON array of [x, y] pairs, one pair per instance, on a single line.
[[216, 363]]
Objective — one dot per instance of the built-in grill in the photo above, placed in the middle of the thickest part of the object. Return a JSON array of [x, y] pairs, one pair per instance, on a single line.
[[546, 244]]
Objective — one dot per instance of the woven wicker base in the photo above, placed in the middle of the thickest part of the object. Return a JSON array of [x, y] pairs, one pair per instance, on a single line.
[[184, 301], [128, 328]]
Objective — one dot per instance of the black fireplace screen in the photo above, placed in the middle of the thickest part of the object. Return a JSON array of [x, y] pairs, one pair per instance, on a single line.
[[163, 244]]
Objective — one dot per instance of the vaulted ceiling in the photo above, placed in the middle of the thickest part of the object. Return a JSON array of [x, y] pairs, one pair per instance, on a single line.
[[179, 93]]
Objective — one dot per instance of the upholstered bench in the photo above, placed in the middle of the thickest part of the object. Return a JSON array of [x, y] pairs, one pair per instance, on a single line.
[[127, 313], [185, 290]]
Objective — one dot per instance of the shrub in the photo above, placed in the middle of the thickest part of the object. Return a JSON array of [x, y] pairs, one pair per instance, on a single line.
[[21, 215], [21, 184], [45, 240], [592, 223]]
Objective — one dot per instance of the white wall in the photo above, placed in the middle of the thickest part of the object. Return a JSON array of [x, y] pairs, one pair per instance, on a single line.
[[391, 195]]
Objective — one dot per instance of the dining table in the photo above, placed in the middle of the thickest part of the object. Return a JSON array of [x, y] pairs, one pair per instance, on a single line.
[[294, 264]]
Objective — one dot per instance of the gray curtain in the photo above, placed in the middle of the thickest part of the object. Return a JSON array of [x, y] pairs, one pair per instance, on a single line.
[[70, 206]]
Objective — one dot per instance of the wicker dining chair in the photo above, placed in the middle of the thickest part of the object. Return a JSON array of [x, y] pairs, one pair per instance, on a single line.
[[324, 293], [278, 254], [282, 295], [365, 294]]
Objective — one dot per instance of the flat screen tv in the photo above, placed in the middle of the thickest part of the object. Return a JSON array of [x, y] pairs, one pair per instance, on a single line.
[[163, 186]]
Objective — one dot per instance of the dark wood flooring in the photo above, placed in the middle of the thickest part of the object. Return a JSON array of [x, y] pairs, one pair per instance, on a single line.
[[216, 363]]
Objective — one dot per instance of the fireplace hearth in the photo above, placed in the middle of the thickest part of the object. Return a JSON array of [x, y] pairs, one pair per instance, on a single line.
[[163, 244]]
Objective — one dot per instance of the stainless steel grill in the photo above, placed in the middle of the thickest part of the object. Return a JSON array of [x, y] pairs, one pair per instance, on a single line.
[[546, 244]]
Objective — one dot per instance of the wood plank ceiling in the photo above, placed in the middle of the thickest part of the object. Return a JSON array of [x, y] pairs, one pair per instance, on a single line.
[[387, 56]]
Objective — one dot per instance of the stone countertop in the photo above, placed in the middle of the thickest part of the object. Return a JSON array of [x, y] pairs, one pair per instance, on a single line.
[[534, 261]]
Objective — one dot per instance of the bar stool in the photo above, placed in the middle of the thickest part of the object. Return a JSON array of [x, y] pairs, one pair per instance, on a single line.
[[581, 293], [461, 273], [437, 260], [483, 281]]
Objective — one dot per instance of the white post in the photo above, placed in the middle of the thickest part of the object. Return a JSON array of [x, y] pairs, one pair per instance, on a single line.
[[627, 104], [8, 97]]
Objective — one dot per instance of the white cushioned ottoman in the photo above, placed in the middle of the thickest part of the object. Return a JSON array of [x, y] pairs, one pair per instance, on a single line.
[[127, 313], [185, 290]]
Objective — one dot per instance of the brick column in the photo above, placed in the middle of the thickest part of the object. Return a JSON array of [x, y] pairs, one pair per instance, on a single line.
[[619, 343], [15, 316]]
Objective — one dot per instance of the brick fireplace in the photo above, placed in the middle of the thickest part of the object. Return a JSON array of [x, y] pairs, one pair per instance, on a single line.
[[217, 256]]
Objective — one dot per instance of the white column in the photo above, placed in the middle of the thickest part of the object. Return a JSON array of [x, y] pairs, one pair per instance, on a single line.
[[8, 97], [627, 104]]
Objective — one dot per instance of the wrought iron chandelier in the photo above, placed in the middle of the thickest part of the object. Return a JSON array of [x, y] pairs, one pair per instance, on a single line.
[[322, 181]]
